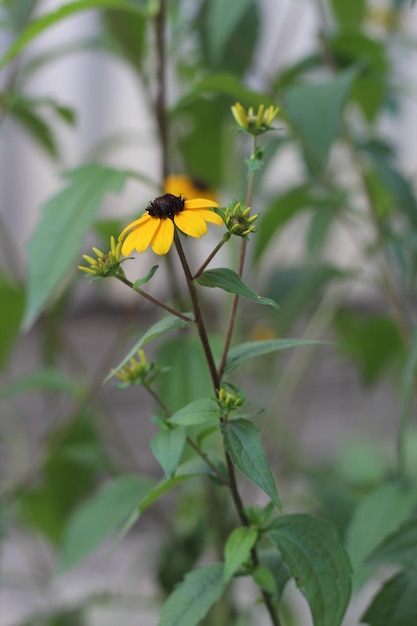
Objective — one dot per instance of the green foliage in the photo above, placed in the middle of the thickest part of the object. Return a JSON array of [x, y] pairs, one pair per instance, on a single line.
[[197, 412], [10, 316], [349, 15], [95, 520], [237, 549], [378, 515], [305, 104], [193, 598], [65, 220], [244, 445], [167, 446], [312, 551], [396, 602], [226, 279], [245, 351]]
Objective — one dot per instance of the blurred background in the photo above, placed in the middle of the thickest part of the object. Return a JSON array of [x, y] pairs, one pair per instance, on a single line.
[[336, 247]]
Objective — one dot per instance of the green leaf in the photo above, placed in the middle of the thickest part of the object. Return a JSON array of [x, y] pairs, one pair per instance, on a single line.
[[46, 379], [170, 322], [167, 446], [400, 547], [311, 549], [12, 299], [264, 578], [93, 522], [165, 485], [222, 20], [65, 219], [408, 380], [47, 20], [305, 104], [244, 445], [146, 279], [272, 561], [129, 33], [237, 549], [194, 596], [395, 603], [228, 280], [33, 123], [197, 412], [378, 515], [349, 14], [252, 349]]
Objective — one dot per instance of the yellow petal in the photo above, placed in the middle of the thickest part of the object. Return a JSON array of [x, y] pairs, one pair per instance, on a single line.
[[199, 203], [209, 216], [142, 219], [141, 236], [191, 223], [163, 238]]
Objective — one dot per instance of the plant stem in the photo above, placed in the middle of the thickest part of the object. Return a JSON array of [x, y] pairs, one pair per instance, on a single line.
[[160, 103], [198, 315], [155, 301], [242, 254], [211, 256]]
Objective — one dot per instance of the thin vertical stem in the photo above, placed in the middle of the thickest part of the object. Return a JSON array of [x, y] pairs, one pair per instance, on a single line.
[[242, 255], [160, 103]]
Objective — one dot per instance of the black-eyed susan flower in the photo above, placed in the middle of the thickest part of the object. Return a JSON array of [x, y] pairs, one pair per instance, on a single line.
[[157, 225]]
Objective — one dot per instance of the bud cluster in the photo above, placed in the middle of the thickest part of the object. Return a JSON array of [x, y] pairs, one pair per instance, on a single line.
[[230, 399], [239, 221], [106, 264], [137, 371], [254, 123]]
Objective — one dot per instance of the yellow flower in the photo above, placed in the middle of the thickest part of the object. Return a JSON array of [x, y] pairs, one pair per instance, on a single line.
[[181, 185], [157, 225], [253, 122]]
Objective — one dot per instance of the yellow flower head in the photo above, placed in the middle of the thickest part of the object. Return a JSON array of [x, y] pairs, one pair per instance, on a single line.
[[180, 184], [157, 225], [253, 122]]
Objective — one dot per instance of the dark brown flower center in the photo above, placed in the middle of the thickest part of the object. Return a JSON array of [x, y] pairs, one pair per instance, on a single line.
[[166, 206]]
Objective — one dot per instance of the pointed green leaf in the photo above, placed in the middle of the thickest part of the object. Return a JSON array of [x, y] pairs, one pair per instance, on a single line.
[[65, 219], [244, 445], [47, 20], [167, 446], [265, 579], [93, 522], [170, 322], [194, 596], [221, 21], [197, 412], [237, 549], [400, 547], [395, 603], [312, 551], [378, 515], [227, 279], [305, 104], [252, 349], [146, 279]]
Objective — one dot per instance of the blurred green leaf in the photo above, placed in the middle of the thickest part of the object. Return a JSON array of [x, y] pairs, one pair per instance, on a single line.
[[305, 104], [374, 342], [47, 20], [167, 446], [244, 445], [349, 14], [197, 412], [226, 279], [12, 299], [19, 11], [395, 603], [189, 377], [252, 349], [95, 520], [194, 596], [65, 220], [399, 548], [45, 379], [169, 322], [68, 474], [376, 516], [237, 549], [32, 122], [312, 551], [272, 560], [129, 33]]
